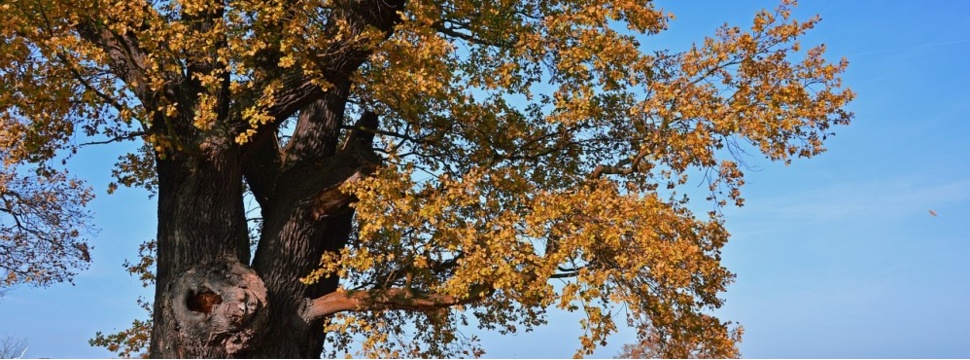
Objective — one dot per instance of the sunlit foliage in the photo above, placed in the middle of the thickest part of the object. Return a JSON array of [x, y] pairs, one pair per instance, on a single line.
[[532, 152]]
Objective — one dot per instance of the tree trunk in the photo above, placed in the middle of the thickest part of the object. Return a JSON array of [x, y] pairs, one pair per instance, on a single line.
[[202, 248], [295, 236], [209, 302]]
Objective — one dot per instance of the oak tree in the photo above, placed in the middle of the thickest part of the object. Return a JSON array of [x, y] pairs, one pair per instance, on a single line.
[[415, 165]]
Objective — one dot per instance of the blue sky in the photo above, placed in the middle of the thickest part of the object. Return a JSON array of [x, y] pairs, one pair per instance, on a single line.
[[837, 256]]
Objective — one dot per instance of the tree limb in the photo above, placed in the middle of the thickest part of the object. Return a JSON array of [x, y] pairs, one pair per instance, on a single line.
[[624, 167], [360, 155], [337, 61], [298, 91], [87, 85], [455, 33], [390, 299], [127, 60], [261, 165], [124, 137]]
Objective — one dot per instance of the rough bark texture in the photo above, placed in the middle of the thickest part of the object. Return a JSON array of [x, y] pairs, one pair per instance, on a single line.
[[218, 309], [209, 85], [209, 302], [201, 220], [309, 218]]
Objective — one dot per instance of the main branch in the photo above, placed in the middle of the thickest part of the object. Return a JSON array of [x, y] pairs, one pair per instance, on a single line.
[[126, 58], [390, 299]]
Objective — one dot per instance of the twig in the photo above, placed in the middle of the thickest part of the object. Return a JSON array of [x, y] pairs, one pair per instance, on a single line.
[[128, 136]]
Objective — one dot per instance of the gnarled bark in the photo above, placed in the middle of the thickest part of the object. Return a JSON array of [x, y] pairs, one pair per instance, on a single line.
[[218, 307], [201, 220], [202, 225]]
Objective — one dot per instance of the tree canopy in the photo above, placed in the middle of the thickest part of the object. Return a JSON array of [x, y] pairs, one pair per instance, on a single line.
[[509, 156]]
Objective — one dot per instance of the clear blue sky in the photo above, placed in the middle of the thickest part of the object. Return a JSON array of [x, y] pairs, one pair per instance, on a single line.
[[836, 256]]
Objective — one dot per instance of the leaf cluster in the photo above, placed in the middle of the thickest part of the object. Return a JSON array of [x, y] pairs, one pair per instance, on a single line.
[[533, 153]]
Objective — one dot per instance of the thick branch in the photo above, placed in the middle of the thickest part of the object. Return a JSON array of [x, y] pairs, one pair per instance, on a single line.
[[262, 163], [337, 62], [391, 299], [127, 60], [87, 84], [308, 214], [624, 167], [357, 151], [321, 183], [297, 93]]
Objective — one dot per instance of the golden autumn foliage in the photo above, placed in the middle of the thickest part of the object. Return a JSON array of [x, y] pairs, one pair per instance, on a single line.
[[654, 344], [531, 153]]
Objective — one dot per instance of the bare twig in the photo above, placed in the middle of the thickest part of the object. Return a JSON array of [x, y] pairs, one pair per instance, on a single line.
[[127, 136]]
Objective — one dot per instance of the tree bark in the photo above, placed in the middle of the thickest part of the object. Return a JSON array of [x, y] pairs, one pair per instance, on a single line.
[[209, 302], [201, 227], [309, 216]]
